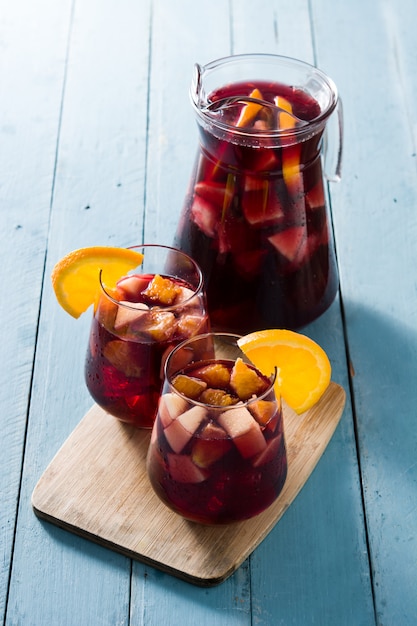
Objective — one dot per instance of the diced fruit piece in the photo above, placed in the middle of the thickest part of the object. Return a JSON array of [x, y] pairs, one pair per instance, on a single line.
[[131, 287], [180, 431], [215, 375], [259, 159], [170, 407], [291, 242], [217, 397], [215, 193], [244, 430], [270, 453], [184, 294], [162, 291], [75, 278], [206, 215], [250, 110], [105, 309], [303, 366], [128, 314], [160, 325], [120, 355], [211, 445], [183, 470], [315, 196], [260, 203], [188, 385], [263, 411], [190, 325], [245, 382]]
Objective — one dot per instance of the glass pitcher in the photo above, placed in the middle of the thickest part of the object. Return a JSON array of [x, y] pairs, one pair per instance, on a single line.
[[256, 215]]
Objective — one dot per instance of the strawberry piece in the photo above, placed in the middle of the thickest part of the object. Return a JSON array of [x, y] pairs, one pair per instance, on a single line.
[[244, 430], [291, 243], [180, 431], [183, 470], [270, 452], [170, 407], [206, 215]]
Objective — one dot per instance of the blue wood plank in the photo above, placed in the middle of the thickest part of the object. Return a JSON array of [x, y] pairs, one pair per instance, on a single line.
[[376, 226], [318, 550], [98, 199], [29, 114], [179, 39]]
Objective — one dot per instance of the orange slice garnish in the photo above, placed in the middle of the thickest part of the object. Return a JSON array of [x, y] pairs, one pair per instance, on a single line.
[[75, 278], [304, 369]]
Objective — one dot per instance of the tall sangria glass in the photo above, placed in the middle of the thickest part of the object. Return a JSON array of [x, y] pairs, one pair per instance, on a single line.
[[217, 452], [256, 217], [134, 328]]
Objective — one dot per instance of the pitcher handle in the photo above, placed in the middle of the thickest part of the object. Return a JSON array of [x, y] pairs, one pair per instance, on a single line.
[[333, 150]]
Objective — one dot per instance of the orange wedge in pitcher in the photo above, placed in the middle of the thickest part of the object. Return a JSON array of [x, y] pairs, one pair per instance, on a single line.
[[290, 154], [250, 110], [304, 369], [75, 278]]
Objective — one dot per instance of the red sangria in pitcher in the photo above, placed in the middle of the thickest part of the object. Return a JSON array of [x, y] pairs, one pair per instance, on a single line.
[[256, 217]]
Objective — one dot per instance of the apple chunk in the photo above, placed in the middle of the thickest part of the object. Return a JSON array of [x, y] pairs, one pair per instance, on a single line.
[[244, 430], [129, 313], [180, 431], [210, 446], [170, 407], [183, 470]]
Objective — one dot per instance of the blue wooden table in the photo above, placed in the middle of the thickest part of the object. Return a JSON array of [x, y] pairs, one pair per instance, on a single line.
[[97, 141]]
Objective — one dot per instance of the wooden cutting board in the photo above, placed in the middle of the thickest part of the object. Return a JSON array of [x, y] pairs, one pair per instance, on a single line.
[[96, 486]]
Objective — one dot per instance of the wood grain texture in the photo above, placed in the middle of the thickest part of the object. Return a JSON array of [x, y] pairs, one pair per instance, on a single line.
[[376, 231], [97, 486], [29, 119]]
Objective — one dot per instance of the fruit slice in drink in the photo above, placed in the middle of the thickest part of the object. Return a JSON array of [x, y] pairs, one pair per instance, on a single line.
[[215, 463]]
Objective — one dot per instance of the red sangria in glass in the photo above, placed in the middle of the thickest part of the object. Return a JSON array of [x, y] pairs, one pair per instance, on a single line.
[[134, 328], [217, 453], [256, 217]]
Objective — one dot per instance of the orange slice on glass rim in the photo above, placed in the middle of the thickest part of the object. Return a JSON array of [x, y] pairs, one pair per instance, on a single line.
[[75, 278], [303, 367]]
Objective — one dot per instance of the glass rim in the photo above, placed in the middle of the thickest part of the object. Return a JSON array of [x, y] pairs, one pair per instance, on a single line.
[[131, 305], [242, 403], [309, 129]]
